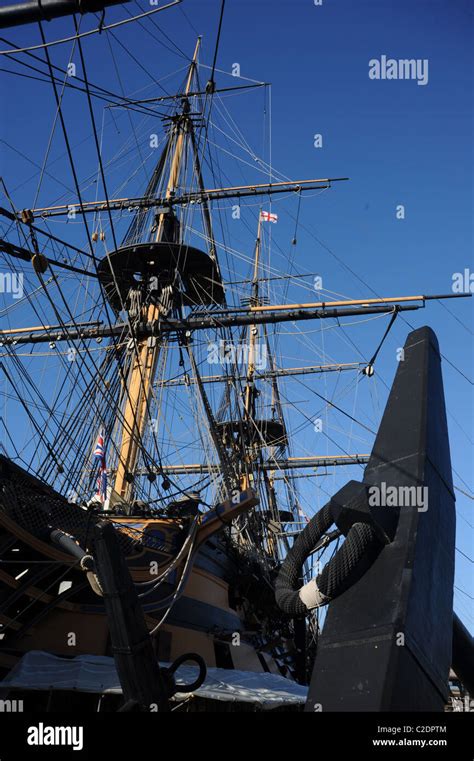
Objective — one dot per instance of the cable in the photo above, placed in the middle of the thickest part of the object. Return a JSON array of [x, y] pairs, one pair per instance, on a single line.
[[464, 554], [464, 593], [99, 30], [211, 84]]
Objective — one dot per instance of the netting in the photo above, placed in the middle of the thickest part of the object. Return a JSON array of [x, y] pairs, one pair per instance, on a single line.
[[39, 509]]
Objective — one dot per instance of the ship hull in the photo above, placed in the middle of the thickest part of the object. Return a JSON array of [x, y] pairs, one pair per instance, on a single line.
[[46, 603]]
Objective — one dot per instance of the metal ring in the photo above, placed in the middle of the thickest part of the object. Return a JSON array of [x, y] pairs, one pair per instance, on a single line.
[[200, 678]]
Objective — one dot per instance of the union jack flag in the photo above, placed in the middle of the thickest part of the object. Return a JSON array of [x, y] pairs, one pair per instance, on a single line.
[[99, 451], [267, 216]]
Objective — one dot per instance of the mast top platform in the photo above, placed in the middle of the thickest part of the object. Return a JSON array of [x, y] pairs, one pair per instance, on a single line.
[[200, 278]]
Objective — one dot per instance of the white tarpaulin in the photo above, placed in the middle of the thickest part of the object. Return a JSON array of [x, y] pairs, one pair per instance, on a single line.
[[38, 670]]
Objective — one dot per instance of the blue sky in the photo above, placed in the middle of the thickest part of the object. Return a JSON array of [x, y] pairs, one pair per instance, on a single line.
[[397, 141]]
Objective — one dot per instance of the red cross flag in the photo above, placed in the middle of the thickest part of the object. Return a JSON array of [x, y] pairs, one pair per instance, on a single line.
[[267, 216]]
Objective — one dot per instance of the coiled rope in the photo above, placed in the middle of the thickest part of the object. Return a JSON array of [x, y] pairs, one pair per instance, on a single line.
[[350, 562]]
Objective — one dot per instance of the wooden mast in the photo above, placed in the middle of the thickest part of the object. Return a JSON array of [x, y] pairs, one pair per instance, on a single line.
[[253, 329], [249, 398], [251, 356], [144, 363]]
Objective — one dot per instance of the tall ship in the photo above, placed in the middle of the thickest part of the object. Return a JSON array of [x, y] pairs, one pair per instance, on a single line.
[[164, 379]]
